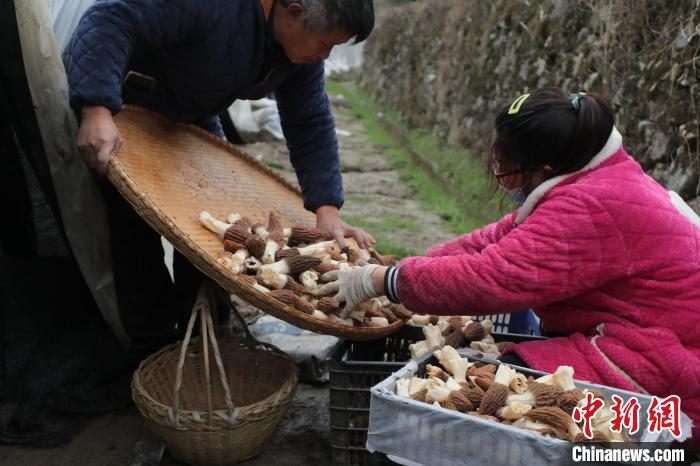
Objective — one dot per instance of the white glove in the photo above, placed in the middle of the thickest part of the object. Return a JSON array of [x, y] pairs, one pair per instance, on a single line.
[[354, 286]]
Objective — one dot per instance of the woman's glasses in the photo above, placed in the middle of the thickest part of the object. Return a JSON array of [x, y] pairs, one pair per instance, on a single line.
[[496, 168]]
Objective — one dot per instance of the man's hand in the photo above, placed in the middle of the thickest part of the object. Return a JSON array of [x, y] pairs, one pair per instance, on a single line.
[[328, 219], [356, 285], [98, 138]]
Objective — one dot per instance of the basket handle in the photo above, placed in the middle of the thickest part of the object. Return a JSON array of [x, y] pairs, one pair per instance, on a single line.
[[202, 307]]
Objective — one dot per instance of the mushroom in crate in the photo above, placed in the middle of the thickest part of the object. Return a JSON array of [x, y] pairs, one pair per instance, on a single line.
[[501, 394]]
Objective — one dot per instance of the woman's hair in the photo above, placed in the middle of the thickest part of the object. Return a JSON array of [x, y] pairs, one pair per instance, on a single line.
[[550, 127]]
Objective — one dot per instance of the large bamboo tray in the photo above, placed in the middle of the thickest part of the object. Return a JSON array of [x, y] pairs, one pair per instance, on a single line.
[[170, 172]]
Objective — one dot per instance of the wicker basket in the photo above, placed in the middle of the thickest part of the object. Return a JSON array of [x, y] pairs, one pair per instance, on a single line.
[[214, 423], [170, 172]]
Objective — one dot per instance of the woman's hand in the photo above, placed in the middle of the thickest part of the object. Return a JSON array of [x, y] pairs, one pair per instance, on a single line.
[[328, 219], [356, 285], [98, 138]]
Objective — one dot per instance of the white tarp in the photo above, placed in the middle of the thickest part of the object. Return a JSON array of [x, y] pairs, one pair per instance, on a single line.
[[311, 351], [343, 58], [82, 210], [256, 120], [65, 15]]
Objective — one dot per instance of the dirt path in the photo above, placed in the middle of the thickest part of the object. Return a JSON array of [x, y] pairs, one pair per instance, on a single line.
[[373, 190]]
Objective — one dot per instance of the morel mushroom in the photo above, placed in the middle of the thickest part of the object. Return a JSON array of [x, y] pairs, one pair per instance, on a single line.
[[455, 339], [294, 286], [433, 336], [402, 386], [497, 394], [328, 305], [298, 235], [318, 249], [400, 311], [474, 331], [453, 362], [286, 252], [338, 320], [240, 222], [222, 229], [563, 378], [419, 320], [290, 299], [294, 265], [419, 349], [377, 322], [235, 262], [434, 371], [256, 246], [561, 422], [538, 395], [513, 411], [273, 278], [519, 383], [417, 384], [536, 426]]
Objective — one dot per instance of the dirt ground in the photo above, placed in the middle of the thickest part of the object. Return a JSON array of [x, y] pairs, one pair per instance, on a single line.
[[373, 191]]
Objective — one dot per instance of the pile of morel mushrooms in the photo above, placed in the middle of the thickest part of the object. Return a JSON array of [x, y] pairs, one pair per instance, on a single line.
[[501, 394], [291, 265], [457, 332]]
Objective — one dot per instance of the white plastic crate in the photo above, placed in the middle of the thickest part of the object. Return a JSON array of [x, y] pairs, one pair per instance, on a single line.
[[417, 433]]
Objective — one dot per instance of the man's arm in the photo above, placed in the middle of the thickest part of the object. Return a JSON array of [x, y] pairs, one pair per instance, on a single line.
[[309, 128], [98, 54]]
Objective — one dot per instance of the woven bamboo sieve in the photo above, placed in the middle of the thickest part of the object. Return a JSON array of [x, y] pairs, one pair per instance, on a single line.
[[169, 172], [221, 422]]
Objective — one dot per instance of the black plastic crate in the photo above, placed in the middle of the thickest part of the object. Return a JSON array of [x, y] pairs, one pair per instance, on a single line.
[[356, 367]]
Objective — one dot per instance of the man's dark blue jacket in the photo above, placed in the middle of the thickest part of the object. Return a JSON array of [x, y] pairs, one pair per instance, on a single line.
[[204, 54]]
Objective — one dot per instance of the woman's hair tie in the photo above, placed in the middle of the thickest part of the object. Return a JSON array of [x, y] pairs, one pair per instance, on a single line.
[[575, 100]]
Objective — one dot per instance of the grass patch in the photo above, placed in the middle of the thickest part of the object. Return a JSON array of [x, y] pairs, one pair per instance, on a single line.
[[387, 224], [358, 198], [274, 164], [389, 248], [350, 168], [455, 187]]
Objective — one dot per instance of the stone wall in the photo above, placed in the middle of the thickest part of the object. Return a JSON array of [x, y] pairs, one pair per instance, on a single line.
[[450, 65]]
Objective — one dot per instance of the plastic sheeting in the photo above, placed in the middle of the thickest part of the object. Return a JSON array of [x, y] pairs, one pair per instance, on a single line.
[[309, 350], [65, 15], [343, 58], [416, 433], [256, 120]]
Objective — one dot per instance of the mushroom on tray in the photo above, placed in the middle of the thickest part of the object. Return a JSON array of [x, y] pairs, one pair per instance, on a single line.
[[288, 264]]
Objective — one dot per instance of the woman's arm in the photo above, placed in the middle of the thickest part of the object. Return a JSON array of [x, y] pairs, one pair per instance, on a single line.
[[569, 245]]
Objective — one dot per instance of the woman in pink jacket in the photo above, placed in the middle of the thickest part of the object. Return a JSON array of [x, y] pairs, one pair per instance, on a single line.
[[605, 256]]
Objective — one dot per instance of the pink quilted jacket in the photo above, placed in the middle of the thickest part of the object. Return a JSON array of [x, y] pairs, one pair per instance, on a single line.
[[605, 255]]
